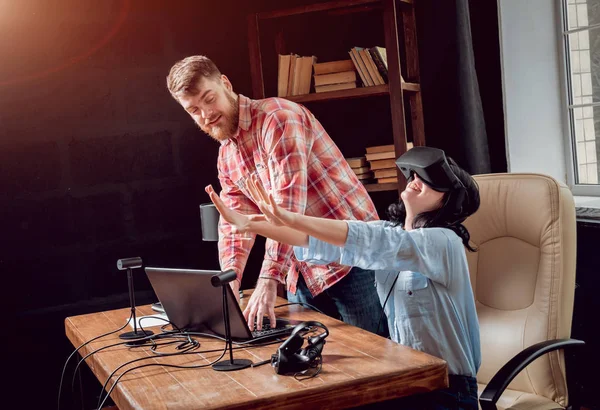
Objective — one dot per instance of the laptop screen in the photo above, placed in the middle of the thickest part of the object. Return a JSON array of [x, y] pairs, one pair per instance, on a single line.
[[192, 303]]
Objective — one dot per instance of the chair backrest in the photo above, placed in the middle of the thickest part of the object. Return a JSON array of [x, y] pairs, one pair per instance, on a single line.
[[523, 275]]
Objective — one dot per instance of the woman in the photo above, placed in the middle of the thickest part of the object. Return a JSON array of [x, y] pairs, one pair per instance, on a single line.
[[422, 275]]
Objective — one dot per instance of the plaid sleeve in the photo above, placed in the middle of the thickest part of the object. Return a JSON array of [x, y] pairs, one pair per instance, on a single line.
[[234, 249], [285, 141]]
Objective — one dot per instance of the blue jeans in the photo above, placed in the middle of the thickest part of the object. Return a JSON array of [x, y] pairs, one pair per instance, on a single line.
[[353, 300], [460, 395]]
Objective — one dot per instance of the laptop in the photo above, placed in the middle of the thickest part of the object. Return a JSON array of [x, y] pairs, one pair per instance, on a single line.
[[193, 304]]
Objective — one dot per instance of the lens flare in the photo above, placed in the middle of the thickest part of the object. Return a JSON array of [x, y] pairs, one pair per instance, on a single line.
[[121, 18]]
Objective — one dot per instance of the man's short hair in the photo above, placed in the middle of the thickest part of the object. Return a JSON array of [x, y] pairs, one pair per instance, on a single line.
[[186, 73]]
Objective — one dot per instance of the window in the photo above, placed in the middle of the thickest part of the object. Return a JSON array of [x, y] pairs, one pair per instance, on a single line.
[[581, 35]]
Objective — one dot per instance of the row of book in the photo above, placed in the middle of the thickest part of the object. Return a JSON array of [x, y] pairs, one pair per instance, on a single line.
[[378, 165], [334, 75], [371, 65], [294, 72]]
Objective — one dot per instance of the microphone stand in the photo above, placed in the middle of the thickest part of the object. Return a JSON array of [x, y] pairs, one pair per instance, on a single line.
[[222, 279], [129, 264], [209, 216]]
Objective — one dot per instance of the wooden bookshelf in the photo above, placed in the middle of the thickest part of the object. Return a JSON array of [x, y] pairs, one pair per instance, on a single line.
[[323, 7], [352, 93], [403, 68]]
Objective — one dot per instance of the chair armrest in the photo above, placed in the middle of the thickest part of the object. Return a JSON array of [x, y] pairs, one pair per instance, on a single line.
[[508, 372]]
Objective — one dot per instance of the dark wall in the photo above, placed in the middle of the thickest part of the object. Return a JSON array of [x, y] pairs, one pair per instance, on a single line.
[[582, 363], [97, 162]]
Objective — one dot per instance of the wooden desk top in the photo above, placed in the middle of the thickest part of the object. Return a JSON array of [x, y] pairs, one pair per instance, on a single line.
[[358, 368]]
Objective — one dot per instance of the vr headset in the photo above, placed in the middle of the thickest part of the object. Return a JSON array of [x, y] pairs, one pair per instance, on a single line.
[[431, 165], [291, 358]]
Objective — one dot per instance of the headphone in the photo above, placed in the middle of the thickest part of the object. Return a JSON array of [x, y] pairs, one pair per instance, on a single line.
[[291, 358]]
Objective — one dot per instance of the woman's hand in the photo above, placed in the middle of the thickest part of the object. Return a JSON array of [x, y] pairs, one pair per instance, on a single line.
[[240, 223], [267, 205]]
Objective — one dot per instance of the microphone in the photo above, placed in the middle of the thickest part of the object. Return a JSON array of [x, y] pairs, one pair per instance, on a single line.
[[129, 263], [223, 278]]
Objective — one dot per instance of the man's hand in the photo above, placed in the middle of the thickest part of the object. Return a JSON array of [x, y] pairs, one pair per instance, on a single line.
[[262, 303]]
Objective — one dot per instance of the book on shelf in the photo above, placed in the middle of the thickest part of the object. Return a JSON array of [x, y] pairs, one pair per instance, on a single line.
[[385, 148], [330, 67], [360, 68], [367, 176], [335, 87], [385, 173], [371, 68], [283, 72], [379, 56], [387, 180], [381, 155], [382, 164], [303, 74], [294, 74], [361, 170], [379, 148], [356, 162], [291, 74], [335, 78], [371, 64]]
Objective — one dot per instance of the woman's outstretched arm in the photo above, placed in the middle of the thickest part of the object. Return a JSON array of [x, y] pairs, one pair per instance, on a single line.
[[257, 224], [332, 231]]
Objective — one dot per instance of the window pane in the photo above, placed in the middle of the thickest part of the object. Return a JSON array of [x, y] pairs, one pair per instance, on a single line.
[[583, 13], [583, 57], [587, 145], [584, 64]]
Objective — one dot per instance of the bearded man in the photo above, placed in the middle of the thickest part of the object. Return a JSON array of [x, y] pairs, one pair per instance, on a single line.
[[296, 161]]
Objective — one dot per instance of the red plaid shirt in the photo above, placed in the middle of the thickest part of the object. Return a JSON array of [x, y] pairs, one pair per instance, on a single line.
[[296, 160]]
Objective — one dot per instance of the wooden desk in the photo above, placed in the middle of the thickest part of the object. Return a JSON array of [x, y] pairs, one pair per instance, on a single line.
[[358, 368]]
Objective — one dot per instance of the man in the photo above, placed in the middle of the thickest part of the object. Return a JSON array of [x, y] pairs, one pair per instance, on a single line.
[[296, 161]]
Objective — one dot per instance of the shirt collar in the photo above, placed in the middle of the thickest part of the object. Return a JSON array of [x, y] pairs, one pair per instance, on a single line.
[[245, 118]]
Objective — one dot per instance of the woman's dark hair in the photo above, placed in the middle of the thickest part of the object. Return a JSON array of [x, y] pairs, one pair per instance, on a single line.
[[452, 213]]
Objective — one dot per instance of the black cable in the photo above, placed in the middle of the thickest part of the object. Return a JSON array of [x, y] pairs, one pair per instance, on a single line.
[[316, 363], [384, 303], [138, 360], [143, 339], [160, 335], [77, 350], [194, 346], [148, 365], [165, 355], [250, 343], [85, 357], [243, 343], [163, 326], [185, 346]]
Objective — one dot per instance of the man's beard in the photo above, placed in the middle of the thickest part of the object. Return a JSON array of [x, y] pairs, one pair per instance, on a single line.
[[229, 122]]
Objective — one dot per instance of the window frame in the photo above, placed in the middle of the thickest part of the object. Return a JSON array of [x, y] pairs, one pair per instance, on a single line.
[[571, 137]]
